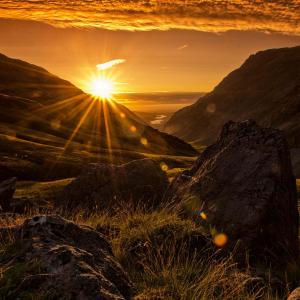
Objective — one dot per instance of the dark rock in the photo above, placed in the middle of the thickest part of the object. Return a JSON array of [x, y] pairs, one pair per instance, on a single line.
[[140, 183], [295, 295], [243, 186], [295, 156], [74, 262], [7, 190]]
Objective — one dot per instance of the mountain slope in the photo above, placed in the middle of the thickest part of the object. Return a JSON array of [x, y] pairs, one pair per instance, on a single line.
[[47, 123], [19, 78], [64, 109], [265, 88]]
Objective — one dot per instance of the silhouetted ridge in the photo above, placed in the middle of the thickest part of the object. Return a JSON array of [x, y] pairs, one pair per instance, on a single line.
[[265, 88]]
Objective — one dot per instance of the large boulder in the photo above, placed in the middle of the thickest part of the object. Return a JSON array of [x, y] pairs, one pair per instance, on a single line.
[[242, 187], [52, 258], [7, 190], [102, 186]]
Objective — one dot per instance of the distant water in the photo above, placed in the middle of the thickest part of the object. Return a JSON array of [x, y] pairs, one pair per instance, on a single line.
[[158, 120], [159, 102]]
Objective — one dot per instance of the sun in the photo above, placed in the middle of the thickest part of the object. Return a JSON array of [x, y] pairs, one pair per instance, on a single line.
[[102, 87]]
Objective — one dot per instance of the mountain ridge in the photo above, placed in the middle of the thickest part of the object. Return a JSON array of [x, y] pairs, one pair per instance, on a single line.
[[47, 123], [266, 88]]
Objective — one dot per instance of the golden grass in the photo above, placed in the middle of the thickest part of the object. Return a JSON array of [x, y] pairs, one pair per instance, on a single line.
[[157, 250]]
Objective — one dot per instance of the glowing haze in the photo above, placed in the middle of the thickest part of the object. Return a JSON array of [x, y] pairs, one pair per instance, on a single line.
[[146, 45]]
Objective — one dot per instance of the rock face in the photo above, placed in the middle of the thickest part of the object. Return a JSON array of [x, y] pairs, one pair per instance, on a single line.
[[243, 186], [7, 190], [62, 261], [100, 186]]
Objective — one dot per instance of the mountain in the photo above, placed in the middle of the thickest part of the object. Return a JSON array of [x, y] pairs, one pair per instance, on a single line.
[[38, 110], [265, 88], [21, 79]]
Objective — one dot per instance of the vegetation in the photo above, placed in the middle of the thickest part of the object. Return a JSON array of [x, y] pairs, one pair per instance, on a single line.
[[170, 258], [28, 157], [14, 277], [165, 256]]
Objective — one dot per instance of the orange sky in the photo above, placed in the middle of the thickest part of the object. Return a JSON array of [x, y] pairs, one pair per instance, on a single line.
[[176, 46]]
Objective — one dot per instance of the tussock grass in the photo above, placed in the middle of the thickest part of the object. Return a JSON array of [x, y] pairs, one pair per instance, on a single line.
[[170, 258], [166, 257]]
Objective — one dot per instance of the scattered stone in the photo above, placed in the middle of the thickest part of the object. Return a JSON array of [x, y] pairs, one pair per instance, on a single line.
[[61, 260], [140, 183], [7, 190], [243, 187]]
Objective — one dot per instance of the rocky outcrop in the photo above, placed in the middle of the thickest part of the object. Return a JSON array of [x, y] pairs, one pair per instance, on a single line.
[[7, 190], [57, 259], [243, 187], [105, 187]]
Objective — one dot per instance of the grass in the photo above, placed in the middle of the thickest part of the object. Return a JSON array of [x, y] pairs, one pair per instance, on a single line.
[[13, 278], [14, 275], [42, 193], [171, 173], [166, 257], [40, 161], [39, 194], [170, 258]]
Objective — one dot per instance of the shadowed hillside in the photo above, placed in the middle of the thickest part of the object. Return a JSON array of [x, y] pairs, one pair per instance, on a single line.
[[40, 110], [265, 88], [19, 78]]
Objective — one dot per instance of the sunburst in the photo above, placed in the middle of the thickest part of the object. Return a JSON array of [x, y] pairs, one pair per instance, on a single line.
[[101, 87]]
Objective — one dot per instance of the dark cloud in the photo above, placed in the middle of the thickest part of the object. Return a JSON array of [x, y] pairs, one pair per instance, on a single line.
[[203, 15]]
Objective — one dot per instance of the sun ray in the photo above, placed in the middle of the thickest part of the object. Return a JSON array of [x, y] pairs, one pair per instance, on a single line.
[[81, 121], [53, 107], [107, 130]]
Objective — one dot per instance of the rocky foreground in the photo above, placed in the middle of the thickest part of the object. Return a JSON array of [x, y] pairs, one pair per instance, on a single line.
[[66, 261], [240, 196]]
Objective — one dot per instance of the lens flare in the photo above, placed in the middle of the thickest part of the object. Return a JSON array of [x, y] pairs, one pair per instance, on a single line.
[[220, 239], [132, 128], [203, 215], [164, 166], [144, 141]]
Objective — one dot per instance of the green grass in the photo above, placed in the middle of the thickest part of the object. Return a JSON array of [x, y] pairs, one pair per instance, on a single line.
[[13, 276], [170, 258], [44, 159], [40, 194], [166, 257]]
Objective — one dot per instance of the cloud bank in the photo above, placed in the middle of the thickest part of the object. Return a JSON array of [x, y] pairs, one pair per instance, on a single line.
[[204, 15]]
